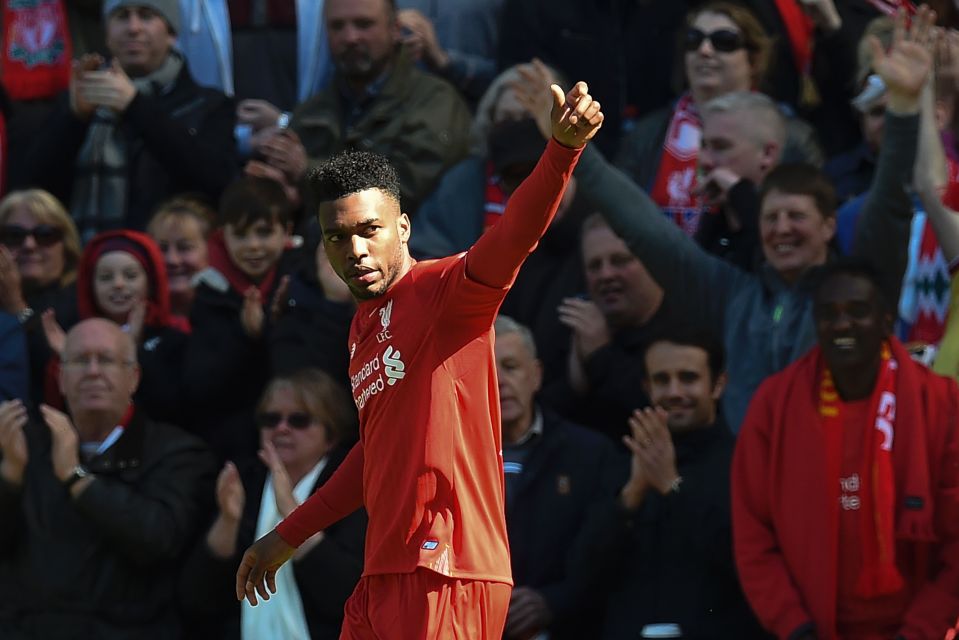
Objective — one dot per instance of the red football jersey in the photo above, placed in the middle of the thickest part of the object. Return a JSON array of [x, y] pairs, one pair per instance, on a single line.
[[428, 467]]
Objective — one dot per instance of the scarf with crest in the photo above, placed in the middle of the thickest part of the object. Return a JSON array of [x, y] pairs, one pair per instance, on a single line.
[[101, 183]]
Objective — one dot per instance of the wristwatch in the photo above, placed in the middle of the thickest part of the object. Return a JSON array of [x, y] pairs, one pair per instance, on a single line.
[[79, 473], [23, 315]]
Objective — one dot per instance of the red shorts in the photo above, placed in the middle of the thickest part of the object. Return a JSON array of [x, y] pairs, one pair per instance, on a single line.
[[425, 605]]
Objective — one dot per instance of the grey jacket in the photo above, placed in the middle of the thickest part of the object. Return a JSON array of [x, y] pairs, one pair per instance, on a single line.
[[765, 323]]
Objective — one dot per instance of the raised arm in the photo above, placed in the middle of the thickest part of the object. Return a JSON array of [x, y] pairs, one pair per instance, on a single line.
[[883, 230], [931, 177], [497, 256]]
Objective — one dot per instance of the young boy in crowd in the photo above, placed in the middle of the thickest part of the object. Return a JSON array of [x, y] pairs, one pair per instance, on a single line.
[[227, 363]]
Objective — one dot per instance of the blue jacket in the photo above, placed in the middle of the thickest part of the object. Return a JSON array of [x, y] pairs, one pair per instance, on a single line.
[[14, 367]]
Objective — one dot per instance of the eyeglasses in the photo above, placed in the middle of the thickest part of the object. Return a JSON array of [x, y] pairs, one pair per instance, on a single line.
[[104, 361], [723, 40], [272, 419], [45, 235]]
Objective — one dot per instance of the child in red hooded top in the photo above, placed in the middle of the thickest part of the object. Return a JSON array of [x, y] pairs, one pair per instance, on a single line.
[[122, 277]]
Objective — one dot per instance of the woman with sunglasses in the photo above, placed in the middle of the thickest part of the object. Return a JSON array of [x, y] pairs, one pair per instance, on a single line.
[[307, 423], [39, 256], [725, 50]]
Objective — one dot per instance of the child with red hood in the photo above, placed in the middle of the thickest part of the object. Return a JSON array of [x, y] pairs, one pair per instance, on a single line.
[[227, 362], [122, 277]]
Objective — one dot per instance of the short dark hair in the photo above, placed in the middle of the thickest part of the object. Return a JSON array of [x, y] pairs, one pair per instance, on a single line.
[[350, 172], [799, 178], [856, 267], [250, 199], [686, 336]]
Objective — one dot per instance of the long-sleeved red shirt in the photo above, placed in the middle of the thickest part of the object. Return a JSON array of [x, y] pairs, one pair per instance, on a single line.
[[428, 467]]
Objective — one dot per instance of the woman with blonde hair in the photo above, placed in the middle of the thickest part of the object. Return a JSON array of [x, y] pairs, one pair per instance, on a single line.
[[39, 258], [180, 228]]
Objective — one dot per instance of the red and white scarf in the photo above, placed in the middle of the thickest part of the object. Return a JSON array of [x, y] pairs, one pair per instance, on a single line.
[[879, 574], [674, 189]]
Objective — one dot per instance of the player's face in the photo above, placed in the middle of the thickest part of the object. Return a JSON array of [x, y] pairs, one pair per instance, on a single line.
[[365, 236], [678, 380], [519, 374]]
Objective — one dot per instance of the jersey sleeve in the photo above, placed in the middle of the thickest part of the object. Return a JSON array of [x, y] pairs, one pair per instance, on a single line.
[[339, 496], [496, 257]]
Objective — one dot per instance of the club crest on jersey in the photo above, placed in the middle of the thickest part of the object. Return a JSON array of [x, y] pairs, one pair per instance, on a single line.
[[385, 312]]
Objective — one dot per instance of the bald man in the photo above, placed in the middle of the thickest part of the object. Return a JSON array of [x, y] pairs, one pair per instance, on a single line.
[[95, 523]]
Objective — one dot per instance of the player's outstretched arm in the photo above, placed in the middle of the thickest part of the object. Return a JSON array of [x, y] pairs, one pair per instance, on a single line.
[[497, 256], [257, 572]]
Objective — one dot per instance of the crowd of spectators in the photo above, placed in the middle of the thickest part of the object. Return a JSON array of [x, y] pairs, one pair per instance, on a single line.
[[726, 373]]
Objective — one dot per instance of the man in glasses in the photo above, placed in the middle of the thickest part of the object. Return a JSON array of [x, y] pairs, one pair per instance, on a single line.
[[428, 467], [96, 507], [137, 128]]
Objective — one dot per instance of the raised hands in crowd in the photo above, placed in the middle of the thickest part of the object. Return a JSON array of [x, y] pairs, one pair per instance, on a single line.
[[93, 85], [653, 461]]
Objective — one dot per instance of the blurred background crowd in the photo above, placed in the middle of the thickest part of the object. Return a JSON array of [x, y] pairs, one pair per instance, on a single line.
[[154, 173]]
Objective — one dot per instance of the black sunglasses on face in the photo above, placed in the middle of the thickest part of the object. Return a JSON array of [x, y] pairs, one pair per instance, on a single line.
[[272, 419], [722, 40], [45, 235]]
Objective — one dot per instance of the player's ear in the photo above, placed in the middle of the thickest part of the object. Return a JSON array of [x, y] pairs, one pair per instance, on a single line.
[[403, 227]]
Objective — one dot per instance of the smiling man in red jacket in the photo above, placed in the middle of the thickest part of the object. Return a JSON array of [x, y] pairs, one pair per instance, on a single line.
[[846, 482]]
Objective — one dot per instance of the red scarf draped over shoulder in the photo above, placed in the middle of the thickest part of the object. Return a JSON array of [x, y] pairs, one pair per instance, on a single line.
[[784, 466]]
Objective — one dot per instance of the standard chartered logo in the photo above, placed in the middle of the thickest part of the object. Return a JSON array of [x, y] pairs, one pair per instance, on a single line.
[[373, 377], [394, 367]]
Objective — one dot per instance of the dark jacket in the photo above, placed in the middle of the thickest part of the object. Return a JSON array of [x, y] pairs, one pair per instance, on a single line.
[[671, 560], [416, 119], [312, 331], [177, 141], [625, 50], [325, 577], [568, 471], [224, 372], [103, 566], [63, 301]]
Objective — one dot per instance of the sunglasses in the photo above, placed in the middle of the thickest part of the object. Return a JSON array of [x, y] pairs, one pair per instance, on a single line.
[[272, 419], [44, 235], [722, 40]]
